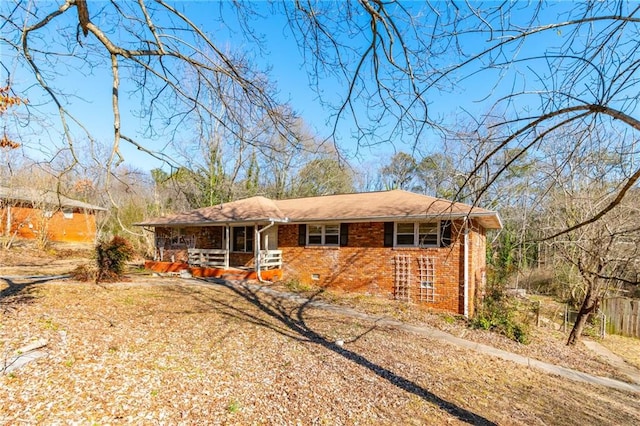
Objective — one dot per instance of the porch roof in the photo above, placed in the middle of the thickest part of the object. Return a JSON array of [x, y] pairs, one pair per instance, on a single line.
[[248, 210], [366, 206]]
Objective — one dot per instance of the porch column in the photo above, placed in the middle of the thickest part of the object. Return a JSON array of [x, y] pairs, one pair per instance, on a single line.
[[256, 247], [227, 239]]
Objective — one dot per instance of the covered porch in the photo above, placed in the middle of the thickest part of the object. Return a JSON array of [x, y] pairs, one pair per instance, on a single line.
[[238, 239], [240, 251]]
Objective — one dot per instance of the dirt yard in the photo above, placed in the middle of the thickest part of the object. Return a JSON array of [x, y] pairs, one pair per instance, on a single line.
[[156, 350]]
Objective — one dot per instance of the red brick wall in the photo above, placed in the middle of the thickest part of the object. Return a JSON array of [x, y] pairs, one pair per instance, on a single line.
[[365, 265], [30, 223]]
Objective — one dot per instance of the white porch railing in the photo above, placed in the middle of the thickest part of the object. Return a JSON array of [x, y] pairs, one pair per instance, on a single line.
[[270, 259], [209, 257]]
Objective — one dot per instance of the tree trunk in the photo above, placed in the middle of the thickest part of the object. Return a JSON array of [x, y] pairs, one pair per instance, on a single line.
[[589, 305]]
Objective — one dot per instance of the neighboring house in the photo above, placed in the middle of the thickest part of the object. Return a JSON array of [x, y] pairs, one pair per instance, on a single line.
[[31, 214], [392, 243]]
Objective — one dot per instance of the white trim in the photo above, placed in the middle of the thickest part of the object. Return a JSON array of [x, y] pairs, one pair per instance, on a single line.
[[466, 269], [323, 235], [416, 234], [250, 249]]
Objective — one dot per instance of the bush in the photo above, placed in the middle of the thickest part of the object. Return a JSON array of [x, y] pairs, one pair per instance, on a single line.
[[84, 273], [500, 314], [111, 258]]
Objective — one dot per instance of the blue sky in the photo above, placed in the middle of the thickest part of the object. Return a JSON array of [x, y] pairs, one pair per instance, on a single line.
[[281, 54], [92, 104]]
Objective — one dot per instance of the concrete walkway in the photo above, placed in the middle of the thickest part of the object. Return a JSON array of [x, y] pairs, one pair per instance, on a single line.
[[433, 333], [616, 361]]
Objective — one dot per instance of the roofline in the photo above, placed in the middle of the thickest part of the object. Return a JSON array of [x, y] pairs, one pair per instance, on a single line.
[[62, 200], [381, 191], [211, 223], [333, 219], [73, 204], [402, 218]]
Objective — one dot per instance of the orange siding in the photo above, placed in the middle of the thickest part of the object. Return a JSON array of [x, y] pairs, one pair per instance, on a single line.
[[31, 223]]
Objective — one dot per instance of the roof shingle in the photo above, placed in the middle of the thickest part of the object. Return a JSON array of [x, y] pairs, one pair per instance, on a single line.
[[365, 206]]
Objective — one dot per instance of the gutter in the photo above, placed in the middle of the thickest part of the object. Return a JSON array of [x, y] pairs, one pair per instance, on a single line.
[[420, 217]]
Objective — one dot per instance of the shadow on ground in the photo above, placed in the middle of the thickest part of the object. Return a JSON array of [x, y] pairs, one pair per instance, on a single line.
[[290, 321], [19, 289]]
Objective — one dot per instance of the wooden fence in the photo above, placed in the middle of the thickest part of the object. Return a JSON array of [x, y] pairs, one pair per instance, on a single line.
[[623, 316]]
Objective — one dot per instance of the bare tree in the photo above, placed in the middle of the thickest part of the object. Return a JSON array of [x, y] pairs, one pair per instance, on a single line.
[[148, 49], [539, 68], [604, 253], [543, 67], [323, 176]]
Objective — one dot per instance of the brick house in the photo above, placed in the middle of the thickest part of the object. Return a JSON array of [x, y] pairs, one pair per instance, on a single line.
[[31, 214], [391, 243]]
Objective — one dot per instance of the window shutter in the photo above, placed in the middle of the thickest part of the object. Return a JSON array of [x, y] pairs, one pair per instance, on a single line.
[[445, 233], [388, 234], [302, 235], [344, 234]]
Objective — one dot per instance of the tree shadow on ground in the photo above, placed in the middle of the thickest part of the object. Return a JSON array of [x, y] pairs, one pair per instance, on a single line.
[[290, 317], [19, 289]]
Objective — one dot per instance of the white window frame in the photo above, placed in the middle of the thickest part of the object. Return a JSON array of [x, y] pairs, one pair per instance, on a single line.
[[323, 234], [416, 234], [67, 213]]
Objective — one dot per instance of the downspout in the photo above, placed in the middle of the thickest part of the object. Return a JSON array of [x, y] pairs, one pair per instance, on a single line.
[[466, 268], [257, 254]]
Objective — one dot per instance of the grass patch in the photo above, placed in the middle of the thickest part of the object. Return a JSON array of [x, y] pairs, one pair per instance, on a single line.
[[233, 406], [296, 286]]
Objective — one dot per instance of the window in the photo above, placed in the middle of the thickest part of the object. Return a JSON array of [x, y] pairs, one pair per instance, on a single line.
[[428, 234], [242, 239], [418, 234], [67, 213], [323, 235], [405, 234]]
